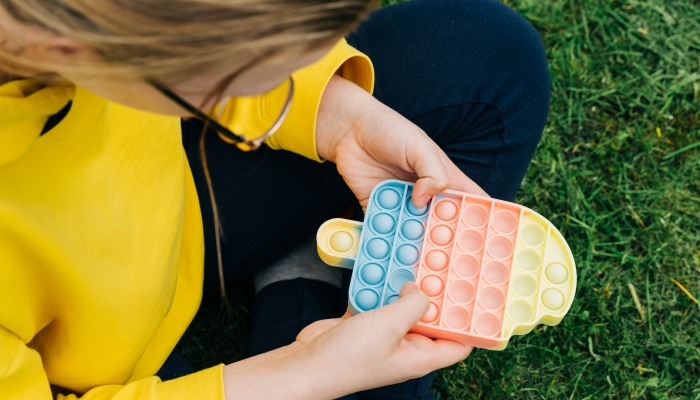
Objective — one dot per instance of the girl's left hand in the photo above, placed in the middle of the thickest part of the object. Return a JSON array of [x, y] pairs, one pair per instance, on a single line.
[[370, 143]]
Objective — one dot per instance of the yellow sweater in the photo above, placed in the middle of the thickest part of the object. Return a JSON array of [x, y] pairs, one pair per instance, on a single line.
[[101, 244]]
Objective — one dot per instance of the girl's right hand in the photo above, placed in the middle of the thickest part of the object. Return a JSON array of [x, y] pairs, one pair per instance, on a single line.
[[335, 357]]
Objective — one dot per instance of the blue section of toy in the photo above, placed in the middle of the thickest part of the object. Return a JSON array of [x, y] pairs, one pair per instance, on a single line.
[[390, 246]]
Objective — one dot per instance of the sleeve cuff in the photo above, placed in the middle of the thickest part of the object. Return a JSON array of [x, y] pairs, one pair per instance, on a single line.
[[205, 384], [298, 132]]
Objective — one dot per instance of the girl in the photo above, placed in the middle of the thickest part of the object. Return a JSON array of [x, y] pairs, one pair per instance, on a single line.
[[116, 214]]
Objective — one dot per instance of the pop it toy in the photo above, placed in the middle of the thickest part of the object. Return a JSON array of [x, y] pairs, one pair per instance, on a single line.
[[492, 269]]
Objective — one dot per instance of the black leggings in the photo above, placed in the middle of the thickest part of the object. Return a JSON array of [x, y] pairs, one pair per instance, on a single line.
[[471, 73]]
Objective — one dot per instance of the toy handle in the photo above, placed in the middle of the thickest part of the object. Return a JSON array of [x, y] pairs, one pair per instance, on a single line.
[[337, 241]]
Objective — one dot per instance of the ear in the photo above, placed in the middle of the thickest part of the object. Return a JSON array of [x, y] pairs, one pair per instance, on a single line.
[[59, 51]]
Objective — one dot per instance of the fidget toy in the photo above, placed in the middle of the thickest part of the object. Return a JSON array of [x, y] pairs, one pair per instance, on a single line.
[[492, 269]]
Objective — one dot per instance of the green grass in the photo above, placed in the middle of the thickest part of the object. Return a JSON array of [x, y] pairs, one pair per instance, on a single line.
[[617, 172]]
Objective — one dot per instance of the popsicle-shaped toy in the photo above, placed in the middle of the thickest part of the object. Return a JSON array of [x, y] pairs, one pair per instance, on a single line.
[[492, 269]]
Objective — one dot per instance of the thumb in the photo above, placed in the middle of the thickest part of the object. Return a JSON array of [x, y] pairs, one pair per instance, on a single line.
[[424, 156], [401, 315]]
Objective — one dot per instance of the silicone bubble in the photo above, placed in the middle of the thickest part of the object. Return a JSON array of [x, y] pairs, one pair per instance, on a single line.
[[532, 235], [441, 235], [377, 248], [491, 298], [553, 299], [466, 266], [446, 210], [432, 285], [342, 241], [372, 273], [520, 311], [388, 198], [524, 285], [407, 254], [457, 318], [415, 210], [495, 273], [487, 324], [432, 313], [471, 241], [383, 223], [462, 292], [436, 260], [556, 273], [366, 299], [500, 247], [398, 278], [391, 299], [528, 260], [475, 216], [412, 229], [504, 222]]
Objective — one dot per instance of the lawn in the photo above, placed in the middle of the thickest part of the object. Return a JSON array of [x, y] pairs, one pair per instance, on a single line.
[[618, 172]]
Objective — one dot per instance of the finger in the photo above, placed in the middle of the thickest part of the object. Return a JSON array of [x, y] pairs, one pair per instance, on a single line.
[[458, 180], [441, 353], [400, 316], [424, 157]]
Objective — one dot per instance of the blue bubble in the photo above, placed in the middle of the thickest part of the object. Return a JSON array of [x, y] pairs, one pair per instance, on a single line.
[[372, 274], [388, 199], [407, 254], [399, 277], [377, 248], [391, 299], [412, 229], [415, 210], [383, 223], [366, 299]]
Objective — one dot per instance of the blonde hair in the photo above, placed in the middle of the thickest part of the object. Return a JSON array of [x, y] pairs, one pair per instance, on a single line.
[[176, 38]]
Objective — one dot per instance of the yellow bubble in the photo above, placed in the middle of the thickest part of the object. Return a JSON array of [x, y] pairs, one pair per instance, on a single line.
[[342, 241], [553, 299], [556, 273]]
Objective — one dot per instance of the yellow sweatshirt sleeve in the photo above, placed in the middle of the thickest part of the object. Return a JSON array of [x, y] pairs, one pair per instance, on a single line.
[[253, 116], [23, 377]]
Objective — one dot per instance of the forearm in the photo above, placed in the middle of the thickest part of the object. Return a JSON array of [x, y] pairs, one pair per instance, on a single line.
[[290, 372]]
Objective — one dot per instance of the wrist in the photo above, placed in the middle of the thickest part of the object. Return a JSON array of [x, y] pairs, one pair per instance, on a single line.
[[290, 372], [343, 107]]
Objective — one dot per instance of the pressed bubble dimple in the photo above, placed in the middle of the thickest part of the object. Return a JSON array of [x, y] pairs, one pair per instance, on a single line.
[[524, 286], [475, 216], [528, 260], [432, 285], [436, 260], [500, 247], [372, 273], [462, 292], [504, 222], [383, 223], [407, 254], [342, 241], [491, 298], [466, 266], [398, 278], [388, 198], [457, 318], [441, 235], [366, 299], [532, 235], [471, 241], [446, 210], [520, 311], [488, 324], [496, 273], [412, 229], [415, 210], [377, 248]]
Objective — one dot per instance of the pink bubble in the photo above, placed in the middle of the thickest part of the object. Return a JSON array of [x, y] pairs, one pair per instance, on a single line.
[[432, 285], [436, 260], [432, 313], [446, 210], [441, 235]]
